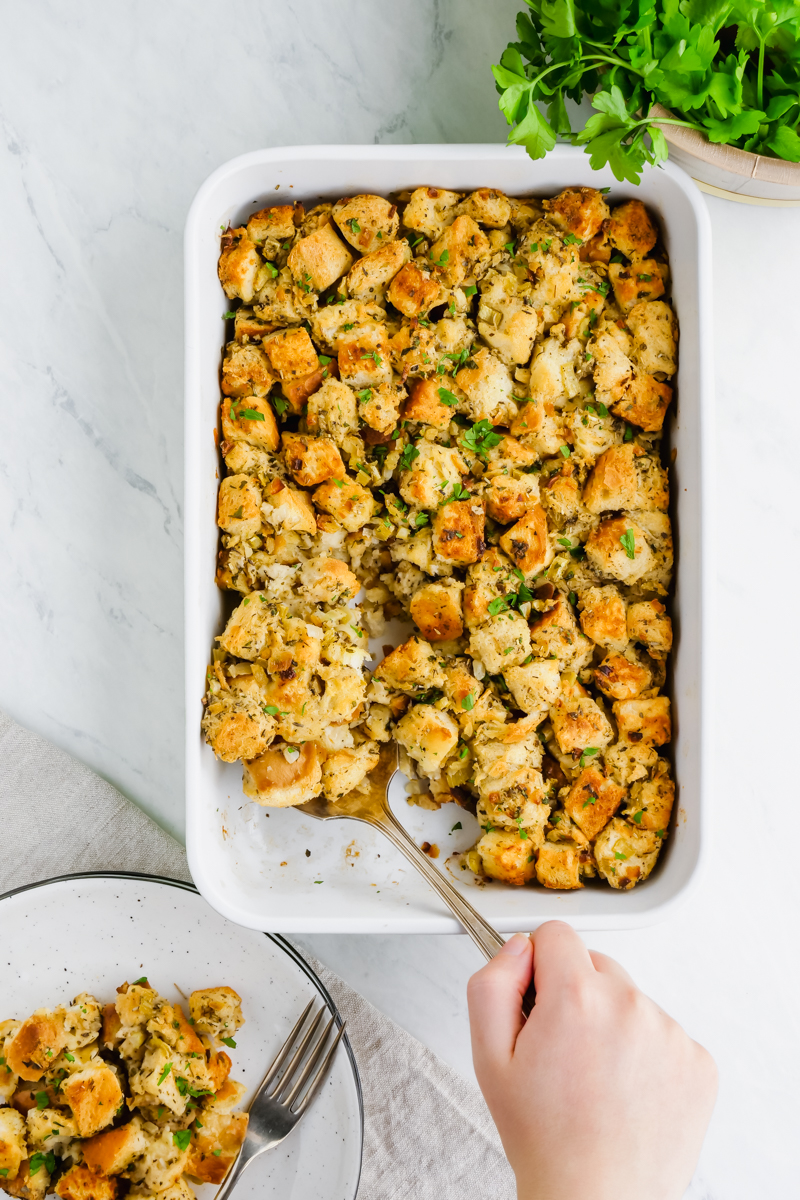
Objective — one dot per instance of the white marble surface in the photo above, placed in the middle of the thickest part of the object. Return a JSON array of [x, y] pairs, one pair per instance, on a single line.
[[112, 116]]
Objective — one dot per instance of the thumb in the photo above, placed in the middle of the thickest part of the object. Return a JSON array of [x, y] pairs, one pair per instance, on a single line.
[[495, 997]]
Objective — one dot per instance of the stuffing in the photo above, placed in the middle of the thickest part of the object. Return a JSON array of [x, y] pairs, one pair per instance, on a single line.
[[332, 411], [644, 720], [411, 668], [487, 207], [94, 1095], [13, 1146], [630, 230], [648, 624], [246, 371], [592, 800], [558, 866], [623, 676], [35, 1044], [369, 277], [291, 354], [81, 1183], [432, 475], [364, 356], [251, 420], [460, 251], [429, 209], [318, 260], [640, 281], [487, 580], [487, 384], [508, 499], [367, 222], [240, 265], [617, 549], [535, 686], [414, 289], [111, 1152], [215, 1147], [651, 800], [379, 407], [270, 227], [458, 531], [644, 402], [328, 580], [330, 324], [502, 641], [281, 777], [239, 506], [580, 211], [555, 634], [347, 501], [506, 856], [429, 735], [287, 509], [655, 337], [343, 770], [553, 379], [526, 543], [624, 854], [613, 481], [311, 460], [436, 611], [603, 617], [505, 320], [579, 724], [425, 403], [216, 1010]]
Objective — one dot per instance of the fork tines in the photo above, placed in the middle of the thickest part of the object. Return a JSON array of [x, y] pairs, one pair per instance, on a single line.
[[287, 1089]]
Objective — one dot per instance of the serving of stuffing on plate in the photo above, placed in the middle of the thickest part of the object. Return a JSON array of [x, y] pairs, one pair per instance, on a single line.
[[452, 407], [129, 1099]]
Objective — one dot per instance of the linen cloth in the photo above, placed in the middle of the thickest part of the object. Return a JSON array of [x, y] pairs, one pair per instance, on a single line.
[[427, 1132]]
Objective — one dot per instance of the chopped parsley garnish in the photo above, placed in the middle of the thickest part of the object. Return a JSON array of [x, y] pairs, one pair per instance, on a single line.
[[628, 542], [250, 414], [564, 450], [509, 246], [354, 225], [407, 457], [42, 1100], [216, 1153], [228, 316], [229, 1040], [421, 519], [591, 800], [69, 1057], [447, 397], [165, 1070], [481, 438], [571, 240], [182, 1138], [445, 257], [272, 270], [39, 1160], [463, 752], [588, 753], [470, 291], [281, 405], [628, 435], [621, 857]]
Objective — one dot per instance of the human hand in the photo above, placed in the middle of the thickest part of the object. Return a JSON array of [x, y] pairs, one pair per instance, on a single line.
[[599, 1093]]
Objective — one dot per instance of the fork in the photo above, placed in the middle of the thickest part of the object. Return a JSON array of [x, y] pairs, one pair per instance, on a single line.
[[372, 807], [272, 1112]]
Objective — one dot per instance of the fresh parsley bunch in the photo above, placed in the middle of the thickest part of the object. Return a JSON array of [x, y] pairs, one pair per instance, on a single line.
[[729, 70]]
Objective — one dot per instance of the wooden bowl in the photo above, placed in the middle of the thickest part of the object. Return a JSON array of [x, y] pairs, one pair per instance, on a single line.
[[731, 173]]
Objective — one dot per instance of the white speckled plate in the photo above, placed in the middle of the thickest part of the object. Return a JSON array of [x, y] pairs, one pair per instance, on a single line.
[[91, 932]]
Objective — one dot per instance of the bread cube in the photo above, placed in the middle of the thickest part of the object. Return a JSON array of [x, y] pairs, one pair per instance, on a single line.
[[312, 460], [240, 265], [111, 1152], [630, 230], [366, 221], [216, 1010], [288, 510], [640, 281], [644, 402], [236, 724], [426, 405], [617, 549], [351, 504], [413, 667], [592, 800], [613, 481], [580, 211], [458, 531], [459, 251], [369, 276], [250, 419], [655, 337], [644, 720], [81, 1183], [624, 854], [432, 475], [35, 1044], [429, 209], [13, 1145], [648, 624], [580, 723], [534, 686], [344, 770], [159, 1167], [603, 617], [215, 1147], [291, 353], [505, 318], [526, 543], [135, 1003], [332, 411], [364, 357], [275, 782], [558, 866], [429, 735], [318, 260], [487, 206], [246, 371], [239, 506], [379, 407], [94, 1095], [274, 225], [553, 370], [501, 642], [179, 1190], [436, 611], [555, 634], [613, 370], [622, 677], [508, 498], [328, 580], [486, 383], [506, 856], [651, 800], [414, 289]]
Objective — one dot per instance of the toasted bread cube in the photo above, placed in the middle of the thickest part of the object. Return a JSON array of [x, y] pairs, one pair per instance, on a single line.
[[640, 281], [351, 504], [432, 475], [13, 1145], [250, 420], [287, 509], [487, 384], [534, 686], [459, 250], [291, 353], [651, 800], [332, 411], [487, 580], [501, 642], [553, 370], [369, 276], [414, 289], [630, 230], [111, 1152], [344, 691], [94, 1095], [34, 1044], [558, 866], [613, 369], [299, 391], [246, 371], [644, 720], [239, 505], [368, 222], [429, 209], [328, 580], [135, 1003], [644, 403], [626, 561], [509, 499], [429, 735], [613, 481], [412, 667], [436, 611], [506, 856], [487, 206], [426, 405], [624, 854], [592, 800], [379, 407], [344, 770], [311, 460], [274, 782], [655, 337], [235, 724], [273, 225], [49, 1128], [216, 1010], [649, 624], [218, 1068], [555, 633], [240, 265], [579, 724], [170, 1024], [318, 260], [603, 617], [505, 319], [364, 357], [622, 678], [82, 1183], [578, 210], [526, 543], [160, 1167], [214, 1148], [458, 531]]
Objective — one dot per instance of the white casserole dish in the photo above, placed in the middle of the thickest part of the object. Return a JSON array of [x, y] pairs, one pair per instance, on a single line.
[[279, 870]]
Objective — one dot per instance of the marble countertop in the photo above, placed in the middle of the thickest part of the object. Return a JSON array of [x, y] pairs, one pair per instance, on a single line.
[[112, 117]]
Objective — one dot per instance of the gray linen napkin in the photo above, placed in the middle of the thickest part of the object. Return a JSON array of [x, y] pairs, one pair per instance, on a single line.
[[427, 1132]]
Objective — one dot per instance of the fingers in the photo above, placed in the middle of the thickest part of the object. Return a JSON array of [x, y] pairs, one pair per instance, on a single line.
[[609, 966], [559, 958], [495, 1003]]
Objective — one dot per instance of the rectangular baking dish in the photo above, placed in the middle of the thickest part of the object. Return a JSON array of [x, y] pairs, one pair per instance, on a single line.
[[278, 870]]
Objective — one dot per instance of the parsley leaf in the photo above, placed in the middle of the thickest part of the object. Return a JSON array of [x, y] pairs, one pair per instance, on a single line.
[[628, 541], [407, 457], [481, 438], [229, 1042], [182, 1138]]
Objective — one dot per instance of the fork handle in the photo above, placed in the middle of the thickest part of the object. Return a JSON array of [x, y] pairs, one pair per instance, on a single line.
[[485, 938]]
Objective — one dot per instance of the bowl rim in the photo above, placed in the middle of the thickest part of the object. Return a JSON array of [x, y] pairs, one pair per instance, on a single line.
[[762, 167]]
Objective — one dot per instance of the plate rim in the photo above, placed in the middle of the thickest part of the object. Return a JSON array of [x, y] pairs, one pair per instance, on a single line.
[[281, 942]]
